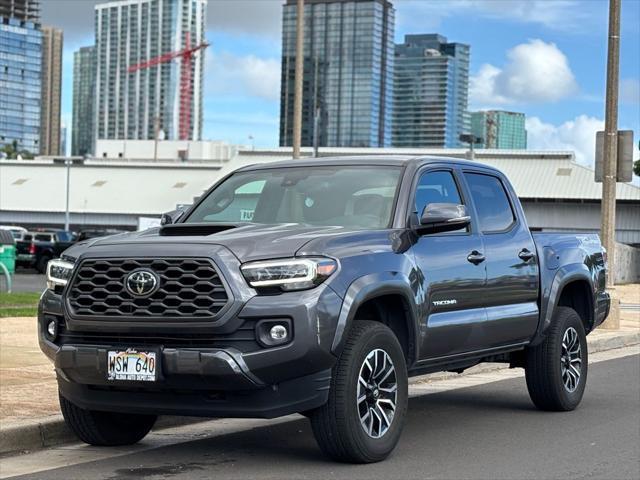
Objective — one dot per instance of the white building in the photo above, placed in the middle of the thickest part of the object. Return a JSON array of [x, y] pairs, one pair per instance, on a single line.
[[166, 150], [129, 32]]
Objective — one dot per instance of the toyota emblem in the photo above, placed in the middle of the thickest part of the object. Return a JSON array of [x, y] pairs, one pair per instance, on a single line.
[[141, 283]]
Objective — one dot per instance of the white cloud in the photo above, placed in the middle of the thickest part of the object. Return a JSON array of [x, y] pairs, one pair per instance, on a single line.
[[262, 18], [578, 135], [557, 14], [535, 72], [564, 15], [247, 75], [630, 91]]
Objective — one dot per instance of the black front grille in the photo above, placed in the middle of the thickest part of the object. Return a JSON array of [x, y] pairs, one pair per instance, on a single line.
[[188, 288]]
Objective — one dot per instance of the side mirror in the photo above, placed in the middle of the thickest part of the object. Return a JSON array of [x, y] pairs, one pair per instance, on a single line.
[[443, 217], [171, 217]]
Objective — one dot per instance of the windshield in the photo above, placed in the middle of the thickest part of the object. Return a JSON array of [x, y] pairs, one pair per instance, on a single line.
[[64, 236], [356, 197]]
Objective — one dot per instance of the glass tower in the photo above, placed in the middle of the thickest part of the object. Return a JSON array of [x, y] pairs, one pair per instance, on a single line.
[[348, 72], [84, 84], [500, 129], [129, 32], [20, 77], [431, 89]]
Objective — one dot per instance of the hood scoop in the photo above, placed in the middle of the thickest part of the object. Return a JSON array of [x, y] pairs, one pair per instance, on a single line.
[[194, 229]]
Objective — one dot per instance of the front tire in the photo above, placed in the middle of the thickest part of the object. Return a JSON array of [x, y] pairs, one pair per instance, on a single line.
[[364, 416], [556, 370], [105, 428]]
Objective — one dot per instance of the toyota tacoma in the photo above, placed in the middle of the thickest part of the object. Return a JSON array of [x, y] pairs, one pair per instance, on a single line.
[[319, 286]]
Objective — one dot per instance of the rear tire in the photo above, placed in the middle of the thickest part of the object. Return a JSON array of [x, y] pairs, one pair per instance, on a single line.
[[556, 370], [105, 428], [364, 416]]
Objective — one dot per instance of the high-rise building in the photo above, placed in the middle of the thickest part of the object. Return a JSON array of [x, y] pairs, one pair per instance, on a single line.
[[51, 91], [431, 90], [63, 140], [136, 105], [23, 10], [348, 72], [500, 129], [20, 75], [84, 83]]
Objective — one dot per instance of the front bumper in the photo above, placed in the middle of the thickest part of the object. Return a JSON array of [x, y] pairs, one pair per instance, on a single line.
[[267, 382]]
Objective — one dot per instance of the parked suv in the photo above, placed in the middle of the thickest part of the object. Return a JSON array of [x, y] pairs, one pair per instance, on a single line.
[[35, 249], [319, 286]]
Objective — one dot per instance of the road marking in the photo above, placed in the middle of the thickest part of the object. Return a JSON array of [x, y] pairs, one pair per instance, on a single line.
[[77, 453]]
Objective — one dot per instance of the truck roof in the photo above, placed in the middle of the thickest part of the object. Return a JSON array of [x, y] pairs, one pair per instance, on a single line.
[[372, 160]]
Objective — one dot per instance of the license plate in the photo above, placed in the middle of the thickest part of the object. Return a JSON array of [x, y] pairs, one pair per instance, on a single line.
[[132, 365]]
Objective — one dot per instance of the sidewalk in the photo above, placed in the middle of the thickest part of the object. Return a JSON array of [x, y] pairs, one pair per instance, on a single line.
[[29, 396]]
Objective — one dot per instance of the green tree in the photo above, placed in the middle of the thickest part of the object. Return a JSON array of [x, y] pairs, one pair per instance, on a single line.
[[636, 167], [12, 152]]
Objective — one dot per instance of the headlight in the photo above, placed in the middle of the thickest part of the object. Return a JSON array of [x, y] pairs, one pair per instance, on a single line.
[[290, 274], [58, 273]]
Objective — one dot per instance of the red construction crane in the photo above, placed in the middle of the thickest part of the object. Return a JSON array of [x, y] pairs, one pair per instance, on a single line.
[[186, 93]]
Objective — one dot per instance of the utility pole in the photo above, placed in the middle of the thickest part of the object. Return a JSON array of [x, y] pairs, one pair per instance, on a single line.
[[297, 99], [316, 134], [67, 163], [608, 228], [156, 134]]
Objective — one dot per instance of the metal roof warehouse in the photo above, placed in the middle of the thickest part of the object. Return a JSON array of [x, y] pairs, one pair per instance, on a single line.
[[556, 192]]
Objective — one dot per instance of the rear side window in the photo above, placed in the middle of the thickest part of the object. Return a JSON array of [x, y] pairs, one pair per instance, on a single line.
[[436, 187], [492, 202]]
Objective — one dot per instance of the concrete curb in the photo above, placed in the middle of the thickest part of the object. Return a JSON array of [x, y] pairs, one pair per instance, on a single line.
[[51, 431]]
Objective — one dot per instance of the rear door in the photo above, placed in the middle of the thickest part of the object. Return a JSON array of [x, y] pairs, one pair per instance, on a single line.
[[451, 270], [511, 293]]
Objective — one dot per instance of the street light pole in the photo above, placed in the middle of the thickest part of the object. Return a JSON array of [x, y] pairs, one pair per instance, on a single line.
[[67, 163], [297, 99], [609, 180]]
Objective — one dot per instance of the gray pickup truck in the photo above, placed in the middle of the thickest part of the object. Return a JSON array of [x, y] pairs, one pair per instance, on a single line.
[[319, 287]]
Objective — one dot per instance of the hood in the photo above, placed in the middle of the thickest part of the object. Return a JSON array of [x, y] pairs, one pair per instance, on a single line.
[[247, 243]]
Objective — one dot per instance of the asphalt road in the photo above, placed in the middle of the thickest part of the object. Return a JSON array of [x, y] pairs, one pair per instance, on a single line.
[[489, 431], [27, 280]]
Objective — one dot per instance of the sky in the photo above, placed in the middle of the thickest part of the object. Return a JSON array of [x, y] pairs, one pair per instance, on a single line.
[[546, 58]]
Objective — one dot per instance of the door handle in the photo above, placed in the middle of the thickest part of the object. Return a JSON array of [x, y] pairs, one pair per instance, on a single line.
[[525, 255], [476, 257]]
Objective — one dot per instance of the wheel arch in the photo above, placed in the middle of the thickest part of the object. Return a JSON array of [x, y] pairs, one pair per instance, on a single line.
[[387, 298], [572, 286]]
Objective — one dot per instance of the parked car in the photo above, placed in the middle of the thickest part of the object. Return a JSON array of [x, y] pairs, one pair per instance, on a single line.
[[16, 232], [319, 286], [37, 248]]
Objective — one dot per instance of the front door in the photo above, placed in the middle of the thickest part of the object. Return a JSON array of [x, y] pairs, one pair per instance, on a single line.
[[453, 272]]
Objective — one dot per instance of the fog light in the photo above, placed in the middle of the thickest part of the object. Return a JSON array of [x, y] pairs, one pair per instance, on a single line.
[[274, 332], [52, 329], [278, 333]]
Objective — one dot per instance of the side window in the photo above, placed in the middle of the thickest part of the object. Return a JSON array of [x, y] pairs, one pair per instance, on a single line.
[[492, 202], [436, 187]]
